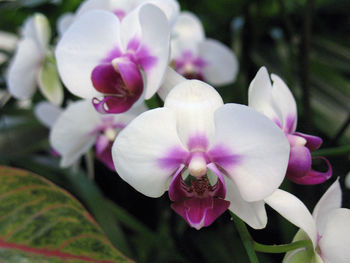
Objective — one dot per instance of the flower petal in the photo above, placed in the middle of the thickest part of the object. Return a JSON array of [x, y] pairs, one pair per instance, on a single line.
[[139, 147], [171, 79], [186, 34], [86, 42], [260, 97], [49, 83], [23, 70], [194, 103], [171, 9], [285, 103], [47, 113], [260, 147], [334, 244], [37, 28], [148, 24], [221, 63], [330, 201], [72, 134], [253, 213], [292, 209]]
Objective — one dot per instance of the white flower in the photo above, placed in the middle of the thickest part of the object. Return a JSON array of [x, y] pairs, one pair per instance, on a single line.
[[32, 66], [210, 156], [333, 232]]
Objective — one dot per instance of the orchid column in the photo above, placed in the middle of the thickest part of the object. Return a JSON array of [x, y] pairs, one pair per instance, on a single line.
[[211, 157]]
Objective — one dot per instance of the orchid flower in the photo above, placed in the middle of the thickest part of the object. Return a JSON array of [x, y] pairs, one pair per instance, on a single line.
[[116, 64], [80, 127], [197, 57], [33, 64], [277, 102], [209, 156], [333, 231]]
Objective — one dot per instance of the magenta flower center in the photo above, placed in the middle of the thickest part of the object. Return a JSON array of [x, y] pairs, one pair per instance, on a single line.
[[190, 66]]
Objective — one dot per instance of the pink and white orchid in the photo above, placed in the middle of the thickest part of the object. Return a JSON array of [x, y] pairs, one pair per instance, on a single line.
[[197, 57], [32, 65], [80, 127], [333, 232], [209, 156], [115, 63], [277, 102]]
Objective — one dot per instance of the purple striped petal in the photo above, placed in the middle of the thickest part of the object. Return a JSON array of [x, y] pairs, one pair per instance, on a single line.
[[178, 190], [315, 177], [105, 155], [312, 142]]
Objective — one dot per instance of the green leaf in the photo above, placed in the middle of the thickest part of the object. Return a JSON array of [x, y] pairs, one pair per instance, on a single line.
[[49, 82], [39, 222]]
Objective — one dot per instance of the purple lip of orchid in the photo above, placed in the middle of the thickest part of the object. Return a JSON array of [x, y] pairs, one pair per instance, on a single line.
[[190, 66], [107, 132], [300, 161], [197, 200], [118, 77]]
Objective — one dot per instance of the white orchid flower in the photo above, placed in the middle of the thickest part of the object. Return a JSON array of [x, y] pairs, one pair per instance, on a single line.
[[209, 156], [277, 102], [197, 57], [33, 66], [333, 232], [80, 127], [115, 63]]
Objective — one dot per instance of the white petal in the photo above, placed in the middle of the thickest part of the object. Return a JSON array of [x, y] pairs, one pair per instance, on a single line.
[[261, 147], [23, 71], [253, 213], [188, 28], [292, 209], [284, 101], [194, 103], [47, 113], [260, 95], [37, 28], [90, 5], [171, 9], [335, 241], [139, 147], [222, 63], [150, 25], [72, 134], [171, 79], [8, 40], [329, 201], [64, 21], [86, 42]]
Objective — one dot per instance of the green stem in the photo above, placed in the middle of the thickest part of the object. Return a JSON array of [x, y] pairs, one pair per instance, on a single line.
[[89, 159], [246, 238], [281, 248], [336, 151]]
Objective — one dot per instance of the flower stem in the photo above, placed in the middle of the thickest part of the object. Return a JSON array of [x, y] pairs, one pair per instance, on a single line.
[[336, 151], [281, 248], [246, 238]]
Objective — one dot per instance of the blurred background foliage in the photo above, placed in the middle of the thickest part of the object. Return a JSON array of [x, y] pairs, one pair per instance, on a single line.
[[306, 42]]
